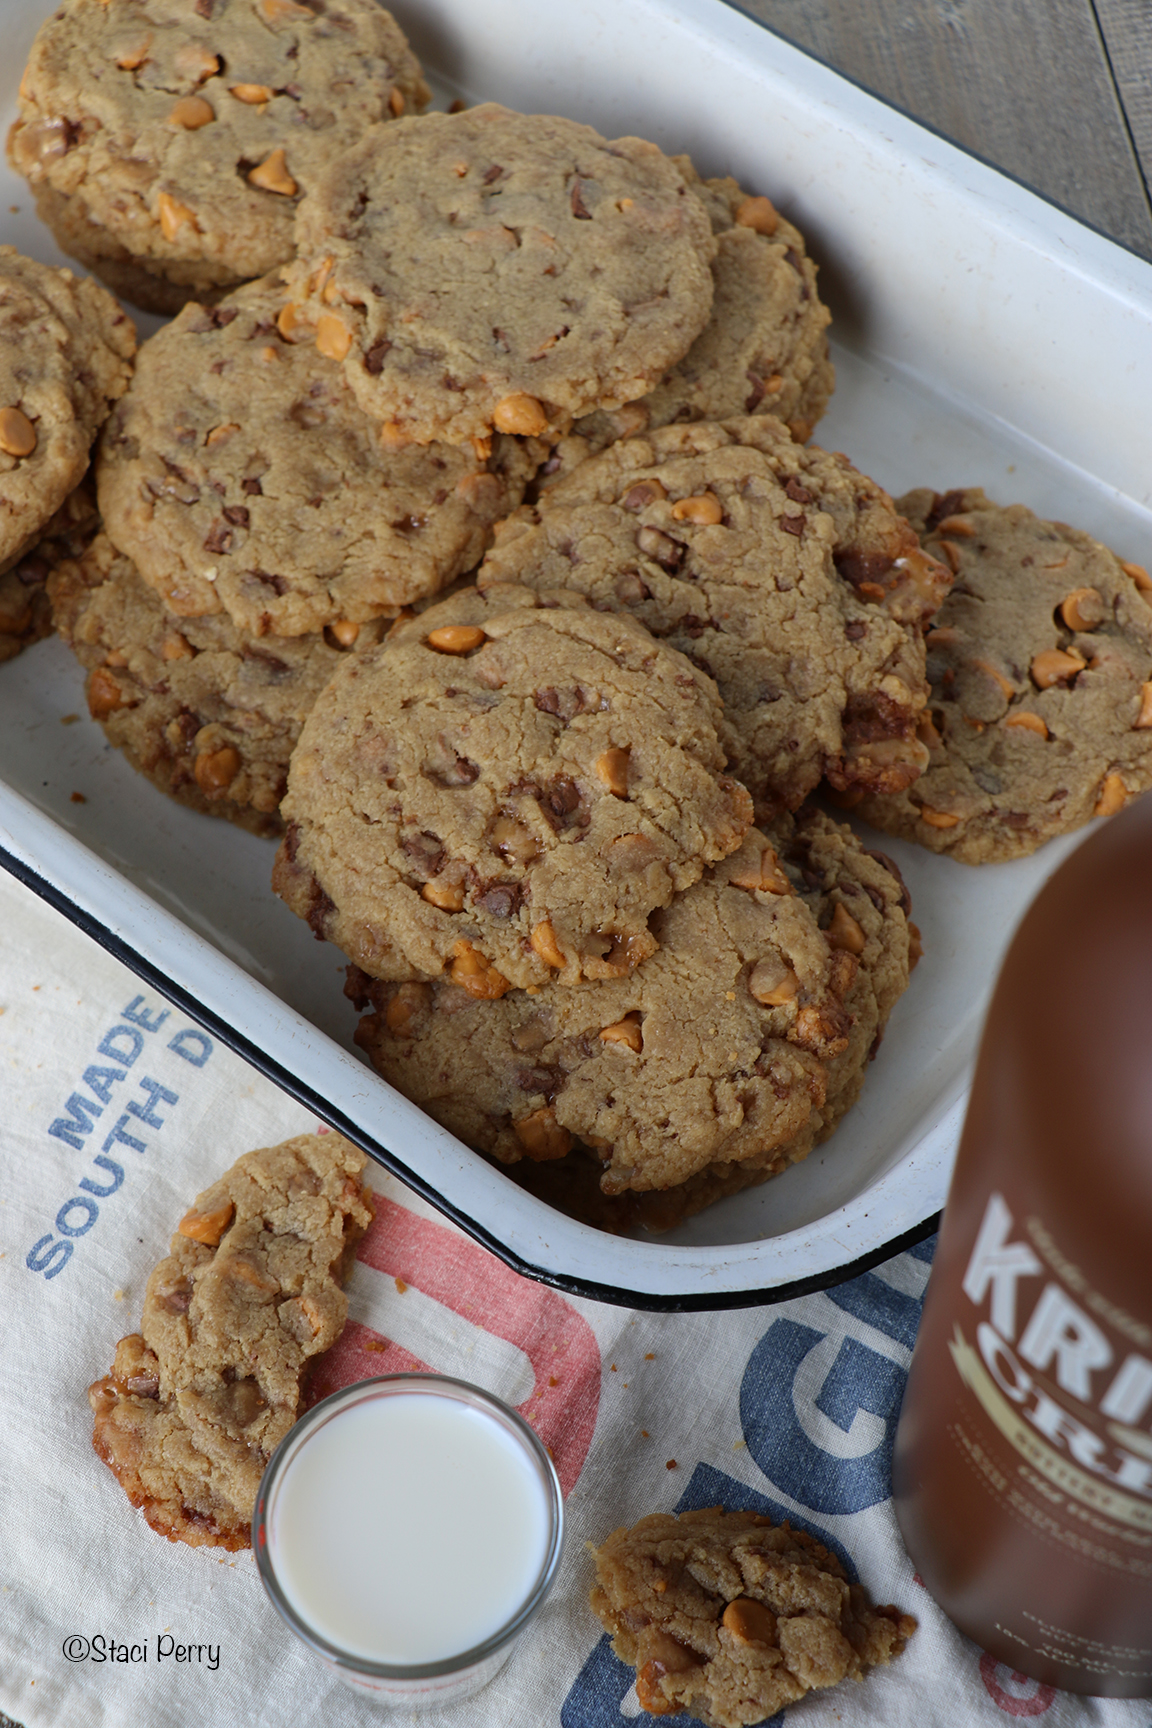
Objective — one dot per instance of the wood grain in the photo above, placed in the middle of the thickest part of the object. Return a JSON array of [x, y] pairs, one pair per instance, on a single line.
[[1127, 29], [1027, 87]]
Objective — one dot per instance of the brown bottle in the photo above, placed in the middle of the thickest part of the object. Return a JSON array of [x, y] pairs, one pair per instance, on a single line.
[[1023, 1464]]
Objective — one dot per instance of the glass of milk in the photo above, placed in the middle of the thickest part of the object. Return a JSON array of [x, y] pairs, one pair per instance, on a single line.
[[408, 1529]]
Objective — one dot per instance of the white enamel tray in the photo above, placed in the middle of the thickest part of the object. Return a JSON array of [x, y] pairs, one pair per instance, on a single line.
[[981, 338]]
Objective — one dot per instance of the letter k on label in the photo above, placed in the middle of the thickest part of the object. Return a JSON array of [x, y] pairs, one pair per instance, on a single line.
[[997, 1262]]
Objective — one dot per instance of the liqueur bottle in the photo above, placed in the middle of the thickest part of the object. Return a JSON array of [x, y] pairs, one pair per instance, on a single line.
[[1022, 1472]]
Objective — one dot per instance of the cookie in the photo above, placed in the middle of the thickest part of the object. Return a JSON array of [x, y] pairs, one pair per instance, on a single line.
[[168, 144], [829, 867], [506, 790], [491, 269], [729, 1617], [1040, 660], [25, 609], [240, 474], [781, 571], [65, 356], [763, 349], [207, 712], [199, 1399], [742, 1040]]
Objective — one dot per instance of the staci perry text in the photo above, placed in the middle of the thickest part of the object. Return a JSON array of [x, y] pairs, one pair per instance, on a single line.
[[167, 1649]]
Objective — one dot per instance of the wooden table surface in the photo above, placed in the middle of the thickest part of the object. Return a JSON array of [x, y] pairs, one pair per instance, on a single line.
[[1056, 93]]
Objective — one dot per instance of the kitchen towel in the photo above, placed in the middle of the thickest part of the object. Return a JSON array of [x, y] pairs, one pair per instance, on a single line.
[[116, 1110]]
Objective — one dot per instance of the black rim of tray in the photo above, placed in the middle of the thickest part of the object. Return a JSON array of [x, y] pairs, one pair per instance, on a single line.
[[291, 1084]]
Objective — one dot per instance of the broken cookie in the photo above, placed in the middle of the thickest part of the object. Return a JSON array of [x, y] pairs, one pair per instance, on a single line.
[[199, 1399], [730, 1617]]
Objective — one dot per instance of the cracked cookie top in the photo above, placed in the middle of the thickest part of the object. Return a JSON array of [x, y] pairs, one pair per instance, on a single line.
[[782, 572], [241, 474], [506, 789], [65, 356], [186, 133], [743, 1039], [498, 270], [1040, 662]]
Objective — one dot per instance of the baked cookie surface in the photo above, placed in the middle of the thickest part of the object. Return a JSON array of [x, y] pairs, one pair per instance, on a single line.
[[65, 356], [740, 1042], [208, 713], [781, 571], [1040, 662], [167, 144], [506, 789], [240, 474], [200, 1398], [498, 270], [763, 349], [729, 1617]]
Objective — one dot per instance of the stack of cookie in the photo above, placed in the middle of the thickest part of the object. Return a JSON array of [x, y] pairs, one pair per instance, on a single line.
[[514, 816], [1040, 661], [256, 532], [65, 357], [524, 812]]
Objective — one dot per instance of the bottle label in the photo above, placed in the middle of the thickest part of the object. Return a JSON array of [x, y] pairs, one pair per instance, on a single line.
[[1051, 1362]]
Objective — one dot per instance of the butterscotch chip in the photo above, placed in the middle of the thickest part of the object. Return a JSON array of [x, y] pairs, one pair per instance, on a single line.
[[729, 1618], [264, 491], [209, 712], [1039, 666], [677, 1082], [65, 356], [167, 144], [199, 1399], [805, 600], [763, 350], [479, 771], [501, 269]]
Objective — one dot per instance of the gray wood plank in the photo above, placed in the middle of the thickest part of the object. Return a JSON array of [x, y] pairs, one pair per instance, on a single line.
[[1025, 86], [1127, 30]]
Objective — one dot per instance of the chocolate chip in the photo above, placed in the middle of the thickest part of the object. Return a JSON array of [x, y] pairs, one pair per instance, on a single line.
[[944, 504], [501, 900], [666, 552], [425, 852], [218, 538], [279, 584], [857, 566], [320, 908]]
